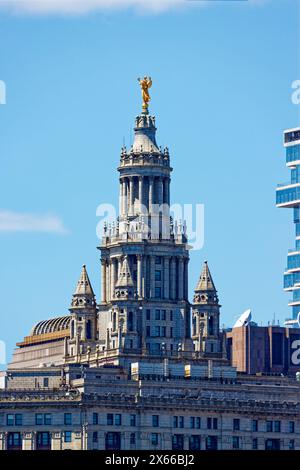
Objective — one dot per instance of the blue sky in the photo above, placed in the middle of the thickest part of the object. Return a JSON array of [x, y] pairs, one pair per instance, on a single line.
[[222, 75]]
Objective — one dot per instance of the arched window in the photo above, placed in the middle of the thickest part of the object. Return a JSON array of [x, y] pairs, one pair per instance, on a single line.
[[114, 327], [211, 325], [194, 325], [72, 329], [88, 329], [130, 321]]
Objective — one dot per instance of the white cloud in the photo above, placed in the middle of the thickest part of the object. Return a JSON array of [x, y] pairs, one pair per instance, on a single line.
[[78, 7], [85, 6], [26, 222]]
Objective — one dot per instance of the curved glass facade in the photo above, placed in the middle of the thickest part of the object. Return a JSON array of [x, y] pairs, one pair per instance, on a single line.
[[290, 196]]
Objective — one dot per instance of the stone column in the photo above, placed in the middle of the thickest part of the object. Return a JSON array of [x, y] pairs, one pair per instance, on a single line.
[[173, 278], [139, 275], [103, 280], [166, 187], [131, 200], [123, 206], [113, 277], [121, 197], [118, 258], [180, 278], [186, 279], [160, 191], [144, 270], [108, 281], [126, 198], [166, 277], [83, 331], [141, 201], [152, 276], [151, 193]]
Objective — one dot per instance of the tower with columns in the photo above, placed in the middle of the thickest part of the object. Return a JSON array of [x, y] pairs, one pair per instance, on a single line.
[[83, 323], [206, 316], [152, 312], [144, 316]]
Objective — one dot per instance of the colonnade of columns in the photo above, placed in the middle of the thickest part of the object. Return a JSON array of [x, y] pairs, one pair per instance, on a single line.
[[137, 192], [172, 282]]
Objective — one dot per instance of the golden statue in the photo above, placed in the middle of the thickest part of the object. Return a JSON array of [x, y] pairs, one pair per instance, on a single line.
[[145, 84]]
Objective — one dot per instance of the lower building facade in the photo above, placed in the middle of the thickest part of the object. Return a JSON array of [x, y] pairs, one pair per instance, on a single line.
[[84, 410]]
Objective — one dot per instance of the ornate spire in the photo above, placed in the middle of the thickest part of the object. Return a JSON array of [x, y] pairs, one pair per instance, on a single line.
[[205, 282], [125, 288], [125, 279], [205, 291], [83, 296]]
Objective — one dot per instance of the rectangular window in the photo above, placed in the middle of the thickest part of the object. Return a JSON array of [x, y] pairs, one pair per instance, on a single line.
[[157, 259], [68, 419], [236, 424], [148, 315], [254, 425], [38, 419], [212, 443], [110, 419], [181, 421], [291, 426], [171, 315], [154, 439], [177, 442], [155, 421], [18, 419], [46, 382], [163, 331], [148, 330], [118, 420], [192, 422], [235, 442], [95, 436], [194, 443], [95, 418], [198, 422], [163, 315], [132, 438], [132, 420], [175, 421], [269, 426], [10, 420], [254, 444], [215, 423], [208, 423], [157, 292], [68, 436], [171, 332], [157, 331], [277, 426], [157, 275], [47, 418], [292, 444], [157, 314]]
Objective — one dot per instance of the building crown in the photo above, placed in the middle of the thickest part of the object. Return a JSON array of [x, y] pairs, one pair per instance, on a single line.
[[83, 296]]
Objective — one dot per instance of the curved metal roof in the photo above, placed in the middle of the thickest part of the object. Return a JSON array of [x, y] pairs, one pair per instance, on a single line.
[[51, 325]]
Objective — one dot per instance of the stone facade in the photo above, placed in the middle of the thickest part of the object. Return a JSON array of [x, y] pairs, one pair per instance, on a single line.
[[132, 372], [101, 408]]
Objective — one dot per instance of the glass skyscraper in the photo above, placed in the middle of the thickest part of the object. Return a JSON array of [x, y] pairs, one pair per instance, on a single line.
[[288, 195]]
